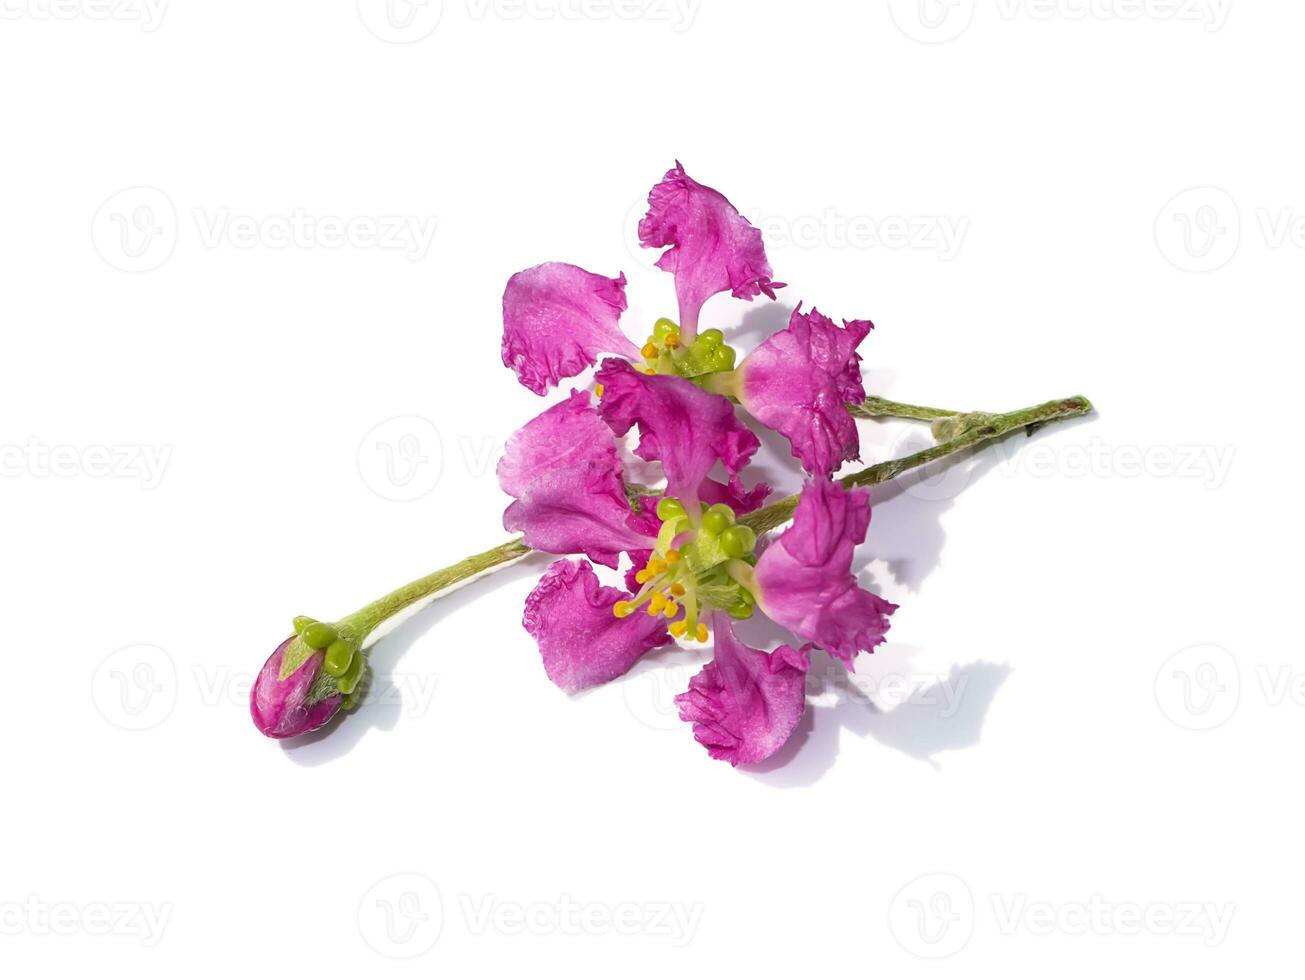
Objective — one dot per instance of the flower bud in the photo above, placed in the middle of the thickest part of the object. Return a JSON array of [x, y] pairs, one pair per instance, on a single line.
[[281, 707]]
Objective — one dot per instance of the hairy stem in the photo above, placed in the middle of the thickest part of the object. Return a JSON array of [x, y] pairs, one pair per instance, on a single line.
[[982, 428], [877, 408], [963, 430]]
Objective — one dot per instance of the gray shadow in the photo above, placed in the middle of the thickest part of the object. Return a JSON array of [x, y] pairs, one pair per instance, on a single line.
[[944, 716]]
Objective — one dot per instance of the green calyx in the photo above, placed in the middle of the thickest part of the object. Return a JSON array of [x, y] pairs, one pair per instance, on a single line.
[[713, 545], [343, 662]]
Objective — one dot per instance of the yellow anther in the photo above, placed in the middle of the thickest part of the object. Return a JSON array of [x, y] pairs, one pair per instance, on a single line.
[[622, 609], [672, 557], [649, 350], [598, 390], [673, 341], [658, 602], [648, 370], [701, 635], [657, 566], [642, 576], [672, 609], [677, 589], [678, 627]]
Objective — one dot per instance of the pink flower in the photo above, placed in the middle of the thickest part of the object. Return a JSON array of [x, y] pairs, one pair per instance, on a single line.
[[745, 703], [804, 580], [712, 247], [582, 644], [799, 382], [681, 426], [563, 470], [557, 319], [280, 708]]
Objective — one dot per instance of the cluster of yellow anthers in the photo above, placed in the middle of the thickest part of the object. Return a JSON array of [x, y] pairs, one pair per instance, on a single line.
[[664, 595]]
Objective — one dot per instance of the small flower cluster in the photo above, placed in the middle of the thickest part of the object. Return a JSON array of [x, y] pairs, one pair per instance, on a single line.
[[694, 568]]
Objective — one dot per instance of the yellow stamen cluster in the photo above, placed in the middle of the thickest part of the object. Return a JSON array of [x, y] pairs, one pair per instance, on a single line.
[[665, 596]]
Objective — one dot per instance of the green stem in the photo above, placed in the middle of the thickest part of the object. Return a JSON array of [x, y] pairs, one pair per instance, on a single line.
[[971, 430], [875, 408], [366, 619], [981, 428]]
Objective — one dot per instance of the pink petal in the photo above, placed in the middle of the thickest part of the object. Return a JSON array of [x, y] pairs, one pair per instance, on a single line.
[[799, 381], [680, 425], [805, 579], [713, 247], [279, 707], [577, 510], [745, 703], [557, 319], [582, 643], [571, 433]]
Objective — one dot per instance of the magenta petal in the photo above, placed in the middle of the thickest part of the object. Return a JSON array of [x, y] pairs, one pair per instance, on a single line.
[[279, 707], [799, 381], [805, 580], [557, 319], [580, 639], [577, 510], [745, 703], [713, 247], [680, 425], [571, 433]]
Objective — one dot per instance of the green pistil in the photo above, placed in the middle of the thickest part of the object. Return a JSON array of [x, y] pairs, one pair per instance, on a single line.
[[707, 355], [696, 551]]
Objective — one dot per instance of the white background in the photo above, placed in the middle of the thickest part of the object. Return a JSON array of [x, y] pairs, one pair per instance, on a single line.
[[1083, 727]]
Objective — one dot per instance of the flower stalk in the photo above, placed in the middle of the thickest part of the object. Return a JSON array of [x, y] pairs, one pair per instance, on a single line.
[[961, 431]]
